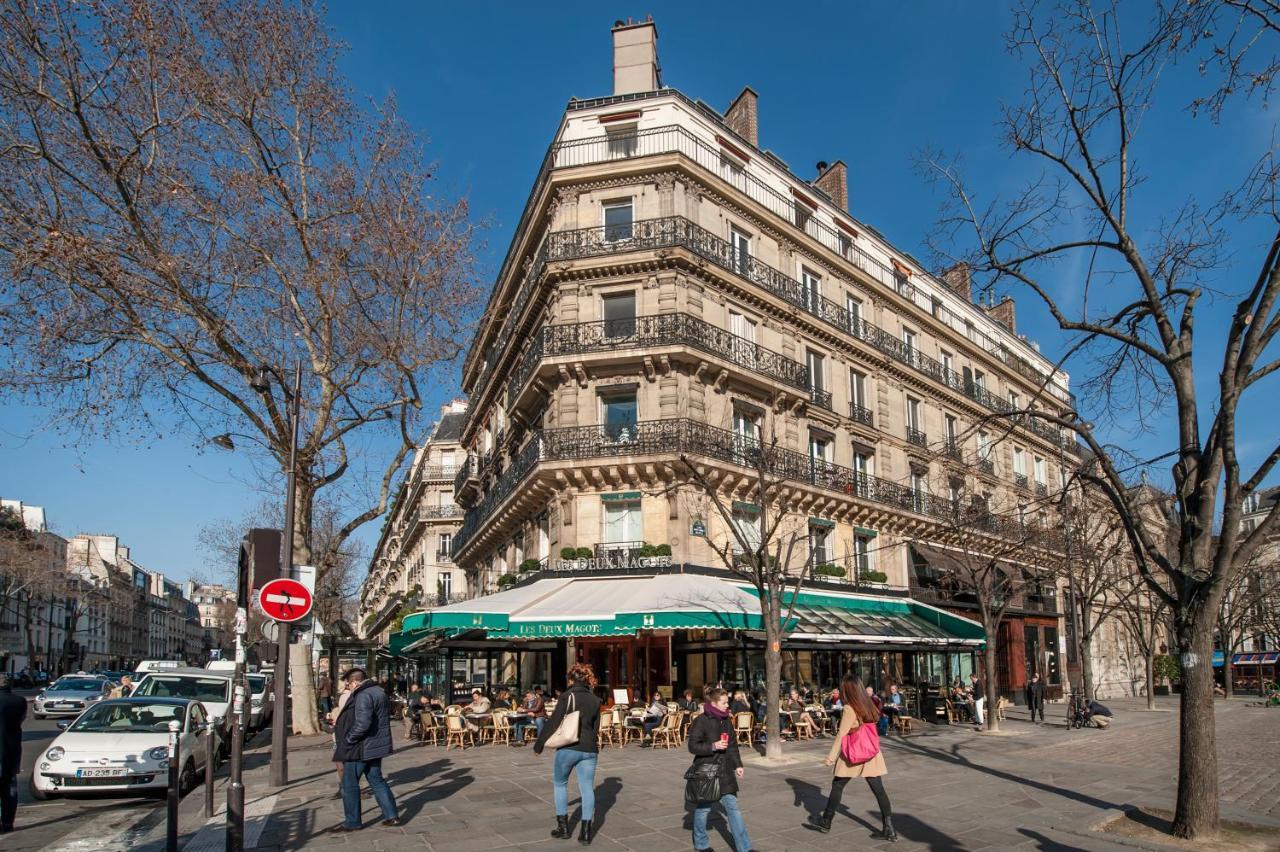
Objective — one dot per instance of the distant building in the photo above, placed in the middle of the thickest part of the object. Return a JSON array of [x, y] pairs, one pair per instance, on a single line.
[[215, 613], [33, 600]]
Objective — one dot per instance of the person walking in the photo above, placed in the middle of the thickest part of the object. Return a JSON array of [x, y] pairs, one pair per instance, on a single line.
[[579, 757], [859, 713], [712, 744], [13, 710], [324, 692], [362, 737], [1035, 697]]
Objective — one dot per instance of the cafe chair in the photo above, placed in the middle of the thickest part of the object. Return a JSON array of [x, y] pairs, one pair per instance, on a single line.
[[501, 730], [458, 732], [902, 723], [428, 728], [744, 727], [803, 727], [668, 731], [605, 734]]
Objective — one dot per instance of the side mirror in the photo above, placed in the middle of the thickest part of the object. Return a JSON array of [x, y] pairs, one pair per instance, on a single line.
[[64, 724]]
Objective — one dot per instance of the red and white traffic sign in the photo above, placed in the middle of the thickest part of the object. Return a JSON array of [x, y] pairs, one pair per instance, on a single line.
[[285, 600]]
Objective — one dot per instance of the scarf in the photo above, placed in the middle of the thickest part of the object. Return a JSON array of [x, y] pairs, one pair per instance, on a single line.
[[714, 711]]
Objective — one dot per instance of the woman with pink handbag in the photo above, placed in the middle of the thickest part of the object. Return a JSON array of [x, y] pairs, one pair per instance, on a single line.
[[856, 754]]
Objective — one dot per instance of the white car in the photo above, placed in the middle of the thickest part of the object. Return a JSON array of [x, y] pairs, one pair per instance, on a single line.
[[261, 701], [121, 746], [212, 689], [70, 694]]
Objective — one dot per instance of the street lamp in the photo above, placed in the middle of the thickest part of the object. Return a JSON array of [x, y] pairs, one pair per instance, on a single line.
[[279, 723]]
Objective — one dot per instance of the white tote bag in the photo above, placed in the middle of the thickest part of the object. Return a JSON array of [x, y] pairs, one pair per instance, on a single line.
[[567, 733]]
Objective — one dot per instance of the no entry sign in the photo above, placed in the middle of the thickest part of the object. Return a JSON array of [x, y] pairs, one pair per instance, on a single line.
[[285, 600]]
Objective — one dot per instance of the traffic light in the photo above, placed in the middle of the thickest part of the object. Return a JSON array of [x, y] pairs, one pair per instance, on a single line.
[[259, 562]]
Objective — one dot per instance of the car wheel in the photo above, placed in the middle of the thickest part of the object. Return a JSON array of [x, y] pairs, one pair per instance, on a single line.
[[187, 778], [38, 794]]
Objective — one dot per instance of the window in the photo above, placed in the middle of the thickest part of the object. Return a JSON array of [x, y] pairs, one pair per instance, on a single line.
[[984, 446], [731, 170], [1015, 402], [446, 499], [746, 433], [857, 388], [744, 330], [853, 307], [919, 487], [447, 464], [623, 141], [623, 522], [1250, 504], [909, 341], [953, 491], [803, 215], [740, 243], [900, 282], [949, 429], [948, 362], [816, 364], [819, 545], [819, 448], [444, 586], [863, 462], [979, 380], [970, 331], [1063, 478], [618, 413], [617, 221], [1020, 464], [937, 307], [445, 552], [1039, 469], [811, 283], [845, 243], [544, 536], [619, 312], [913, 414], [747, 523], [863, 554]]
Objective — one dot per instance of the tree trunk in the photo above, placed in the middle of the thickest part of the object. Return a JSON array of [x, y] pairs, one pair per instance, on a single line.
[[1150, 661], [305, 715], [772, 688], [989, 667], [1086, 665], [1196, 813], [1228, 674]]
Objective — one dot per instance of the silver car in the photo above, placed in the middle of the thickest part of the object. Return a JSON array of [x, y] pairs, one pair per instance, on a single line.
[[70, 694]]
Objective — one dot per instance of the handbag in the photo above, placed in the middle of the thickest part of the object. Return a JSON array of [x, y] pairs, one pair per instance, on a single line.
[[702, 782], [860, 744], [567, 732]]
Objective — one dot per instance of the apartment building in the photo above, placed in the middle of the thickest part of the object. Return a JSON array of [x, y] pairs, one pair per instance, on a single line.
[[215, 615], [675, 295], [413, 560], [32, 590]]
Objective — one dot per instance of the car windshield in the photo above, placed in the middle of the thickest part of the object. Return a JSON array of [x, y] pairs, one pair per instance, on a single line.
[[77, 684], [171, 686], [257, 683], [128, 717]]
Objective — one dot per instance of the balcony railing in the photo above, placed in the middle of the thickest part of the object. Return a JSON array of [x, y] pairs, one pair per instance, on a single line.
[[440, 512], [1020, 480], [680, 436], [915, 436], [654, 330], [1042, 490], [821, 398], [987, 466], [951, 449], [464, 473], [858, 414]]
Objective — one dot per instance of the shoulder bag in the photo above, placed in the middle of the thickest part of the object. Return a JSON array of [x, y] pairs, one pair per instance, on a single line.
[[567, 732], [861, 743], [702, 782]]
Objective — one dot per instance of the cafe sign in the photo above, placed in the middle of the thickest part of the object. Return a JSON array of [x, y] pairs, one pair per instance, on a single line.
[[617, 560]]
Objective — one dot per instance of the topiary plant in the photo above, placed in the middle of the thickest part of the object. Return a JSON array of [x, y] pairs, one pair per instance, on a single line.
[[827, 569], [506, 580], [529, 565], [869, 576], [662, 550], [585, 553], [567, 553]]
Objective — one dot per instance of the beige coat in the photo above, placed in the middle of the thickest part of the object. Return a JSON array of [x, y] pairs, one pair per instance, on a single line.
[[844, 769]]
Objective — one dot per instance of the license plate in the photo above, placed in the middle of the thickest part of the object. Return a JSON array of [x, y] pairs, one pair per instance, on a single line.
[[101, 773]]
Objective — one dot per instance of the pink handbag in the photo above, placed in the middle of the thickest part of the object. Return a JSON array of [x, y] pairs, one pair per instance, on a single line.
[[860, 744]]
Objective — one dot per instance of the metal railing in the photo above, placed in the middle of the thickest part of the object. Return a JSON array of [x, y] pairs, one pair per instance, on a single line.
[[690, 437], [952, 450], [440, 512], [987, 466], [858, 414], [1020, 480], [915, 436], [821, 398], [464, 473], [653, 330]]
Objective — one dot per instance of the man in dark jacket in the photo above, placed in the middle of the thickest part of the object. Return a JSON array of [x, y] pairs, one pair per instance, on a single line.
[[711, 740], [13, 710], [1035, 697], [362, 737]]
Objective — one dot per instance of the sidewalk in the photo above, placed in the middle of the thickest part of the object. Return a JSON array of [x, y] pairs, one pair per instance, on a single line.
[[1037, 787]]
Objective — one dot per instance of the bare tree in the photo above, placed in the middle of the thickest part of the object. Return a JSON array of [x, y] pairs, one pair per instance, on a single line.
[[1144, 616], [1142, 281], [1242, 612], [763, 552], [190, 194]]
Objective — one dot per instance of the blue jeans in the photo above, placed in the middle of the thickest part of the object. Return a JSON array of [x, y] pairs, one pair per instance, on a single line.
[[585, 761], [352, 770], [737, 827], [882, 725]]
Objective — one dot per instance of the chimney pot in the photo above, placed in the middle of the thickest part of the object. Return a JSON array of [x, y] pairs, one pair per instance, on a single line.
[[833, 179], [822, 167]]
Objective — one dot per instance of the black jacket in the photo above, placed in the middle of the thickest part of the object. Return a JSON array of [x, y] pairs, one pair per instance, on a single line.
[[703, 733], [1035, 693], [588, 707], [363, 731], [737, 706], [13, 710]]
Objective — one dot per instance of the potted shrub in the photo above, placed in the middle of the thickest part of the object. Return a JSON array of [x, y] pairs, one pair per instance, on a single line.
[[529, 564], [1166, 671], [662, 550], [869, 576], [585, 553], [568, 553], [828, 569], [506, 580]]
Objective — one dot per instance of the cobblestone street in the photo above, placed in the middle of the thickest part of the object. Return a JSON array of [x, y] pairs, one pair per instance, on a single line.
[[952, 789]]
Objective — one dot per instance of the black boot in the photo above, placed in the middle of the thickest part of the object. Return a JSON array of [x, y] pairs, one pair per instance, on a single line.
[[888, 832], [587, 833], [562, 828], [822, 823]]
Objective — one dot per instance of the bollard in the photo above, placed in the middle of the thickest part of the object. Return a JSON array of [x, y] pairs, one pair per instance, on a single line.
[[209, 752], [171, 838], [235, 784]]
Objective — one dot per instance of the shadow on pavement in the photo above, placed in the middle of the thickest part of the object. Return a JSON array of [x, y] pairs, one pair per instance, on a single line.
[[606, 798], [919, 831], [814, 800], [442, 786], [1048, 844]]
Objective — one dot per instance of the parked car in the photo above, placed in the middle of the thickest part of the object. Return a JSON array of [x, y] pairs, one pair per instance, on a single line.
[[261, 701], [212, 689], [122, 746], [69, 695]]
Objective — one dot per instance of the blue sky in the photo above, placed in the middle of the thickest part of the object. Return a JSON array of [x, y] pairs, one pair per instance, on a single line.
[[485, 84]]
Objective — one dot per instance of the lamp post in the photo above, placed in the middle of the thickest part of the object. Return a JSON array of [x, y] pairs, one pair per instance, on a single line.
[[279, 721]]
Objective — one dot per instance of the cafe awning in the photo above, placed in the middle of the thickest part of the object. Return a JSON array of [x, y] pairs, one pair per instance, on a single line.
[[599, 606], [871, 620]]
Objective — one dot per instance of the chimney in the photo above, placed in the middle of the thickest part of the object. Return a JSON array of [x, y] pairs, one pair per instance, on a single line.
[[742, 118], [1003, 313], [834, 181], [635, 57], [959, 278]]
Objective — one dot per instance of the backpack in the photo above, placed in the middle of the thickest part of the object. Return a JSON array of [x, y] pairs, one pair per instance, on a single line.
[[861, 743]]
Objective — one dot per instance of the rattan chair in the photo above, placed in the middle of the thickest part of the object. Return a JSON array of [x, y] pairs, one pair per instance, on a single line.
[[744, 727], [457, 732], [429, 728], [668, 731], [605, 734], [501, 728]]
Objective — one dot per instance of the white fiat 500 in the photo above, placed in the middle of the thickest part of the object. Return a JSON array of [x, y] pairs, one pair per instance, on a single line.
[[121, 746]]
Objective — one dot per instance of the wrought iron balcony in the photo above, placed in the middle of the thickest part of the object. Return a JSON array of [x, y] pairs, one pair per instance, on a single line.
[[676, 231], [465, 481], [654, 330], [821, 398], [440, 512], [858, 414], [1042, 490], [1020, 480], [987, 466], [951, 449], [915, 436], [690, 437]]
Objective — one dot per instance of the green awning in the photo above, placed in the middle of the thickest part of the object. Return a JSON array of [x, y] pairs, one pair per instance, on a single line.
[[868, 618], [606, 606]]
